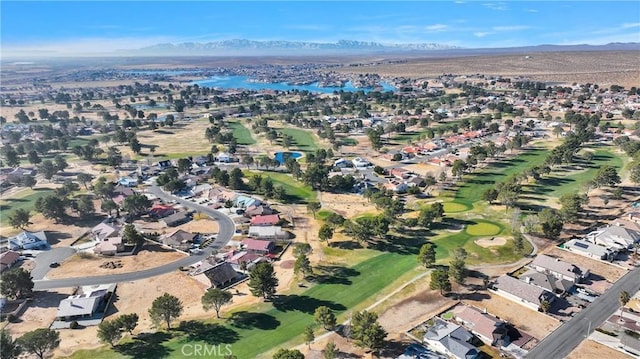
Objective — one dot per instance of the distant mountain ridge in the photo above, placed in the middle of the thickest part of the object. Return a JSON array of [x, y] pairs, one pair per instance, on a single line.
[[253, 47], [244, 44]]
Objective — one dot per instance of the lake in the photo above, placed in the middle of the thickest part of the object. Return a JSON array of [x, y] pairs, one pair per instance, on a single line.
[[281, 157], [244, 82]]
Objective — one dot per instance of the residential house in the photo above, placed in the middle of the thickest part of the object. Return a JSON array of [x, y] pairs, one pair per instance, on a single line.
[[258, 246], [29, 240], [105, 230], [342, 163], [8, 259], [161, 210], [19, 173], [128, 182], [400, 173], [547, 281], [396, 186], [360, 162], [166, 164], [242, 201], [258, 210], [121, 192], [175, 219], [89, 305], [180, 239], [200, 189], [589, 249], [268, 232], [109, 246], [616, 237], [559, 268], [521, 292], [224, 157], [450, 339], [222, 275], [488, 328], [244, 259], [266, 220]]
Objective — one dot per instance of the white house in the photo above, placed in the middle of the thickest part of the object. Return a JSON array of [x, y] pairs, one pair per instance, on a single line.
[[616, 237], [223, 157], [529, 295], [559, 268], [29, 240], [360, 162], [450, 339], [341, 163]]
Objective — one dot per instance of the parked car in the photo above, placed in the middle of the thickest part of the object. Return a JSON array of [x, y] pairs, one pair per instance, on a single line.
[[54, 265]]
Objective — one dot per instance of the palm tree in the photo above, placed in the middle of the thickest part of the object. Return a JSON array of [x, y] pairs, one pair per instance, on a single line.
[[624, 299]]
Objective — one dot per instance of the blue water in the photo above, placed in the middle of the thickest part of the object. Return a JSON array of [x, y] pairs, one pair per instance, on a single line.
[[242, 82], [281, 157]]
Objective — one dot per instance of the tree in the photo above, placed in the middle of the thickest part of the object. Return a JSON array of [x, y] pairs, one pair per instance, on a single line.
[[60, 163], [40, 341], [263, 280], [458, 168], [109, 332], [309, 336], [165, 308], [33, 158], [624, 299], [301, 249], [572, 205], [247, 160], [184, 165], [84, 178], [52, 207], [16, 283], [606, 176], [28, 181], [47, 169], [313, 207], [136, 205], [131, 236], [440, 280], [108, 206], [302, 265], [19, 218], [324, 316], [215, 298], [288, 354], [427, 255], [325, 233], [457, 268], [366, 331], [330, 351], [11, 156], [128, 322], [518, 243], [545, 305], [9, 347], [550, 222], [85, 206], [490, 195]]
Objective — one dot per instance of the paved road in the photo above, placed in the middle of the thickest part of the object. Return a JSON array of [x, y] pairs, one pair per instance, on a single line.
[[44, 258], [561, 342], [227, 229]]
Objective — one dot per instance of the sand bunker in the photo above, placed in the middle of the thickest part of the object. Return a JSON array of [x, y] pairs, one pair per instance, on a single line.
[[491, 242]]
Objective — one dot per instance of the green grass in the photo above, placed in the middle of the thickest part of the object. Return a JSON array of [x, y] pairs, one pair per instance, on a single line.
[[483, 229], [302, 140], [454, 207], [347, 141], [471, 189], [403, 137], [296, 191], [258, 329], [24, 199], [558, 183], [241, 133]]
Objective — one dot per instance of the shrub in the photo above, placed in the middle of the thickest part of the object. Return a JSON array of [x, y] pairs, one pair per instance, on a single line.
[[74, 325]]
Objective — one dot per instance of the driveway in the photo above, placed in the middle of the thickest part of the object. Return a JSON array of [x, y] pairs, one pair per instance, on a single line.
[[45, 258]]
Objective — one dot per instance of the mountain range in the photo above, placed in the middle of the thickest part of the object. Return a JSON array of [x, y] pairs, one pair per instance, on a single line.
[[345, 47]]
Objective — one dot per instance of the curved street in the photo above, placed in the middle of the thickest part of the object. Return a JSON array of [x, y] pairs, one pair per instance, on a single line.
[[226, 232]]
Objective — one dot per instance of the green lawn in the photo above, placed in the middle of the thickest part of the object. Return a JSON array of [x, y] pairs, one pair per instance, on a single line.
[[402, 138], [559, 182], [241, 133], [296, 191], [470, 190], [483, 229], [302, 140], [24, 199], [261, 328]]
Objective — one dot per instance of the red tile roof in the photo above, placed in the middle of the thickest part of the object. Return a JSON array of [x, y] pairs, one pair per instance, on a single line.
[[266, 220]]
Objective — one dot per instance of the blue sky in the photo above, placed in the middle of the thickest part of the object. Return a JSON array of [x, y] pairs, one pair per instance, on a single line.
[[95, 26]]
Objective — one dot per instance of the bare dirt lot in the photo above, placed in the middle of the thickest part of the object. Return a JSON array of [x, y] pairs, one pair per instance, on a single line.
[[609, 272], [40, 313], [347, 205], [534, 323], [152, 255], [602, 67], [589, 349]]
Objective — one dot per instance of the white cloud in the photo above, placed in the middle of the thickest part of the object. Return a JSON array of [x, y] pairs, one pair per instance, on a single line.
[[500, 6], [630, 25], [436, 28], [481, 33], [531, 10], [83, 46]]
